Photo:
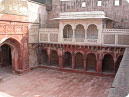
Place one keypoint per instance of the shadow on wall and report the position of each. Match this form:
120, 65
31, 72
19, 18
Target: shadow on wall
38, 19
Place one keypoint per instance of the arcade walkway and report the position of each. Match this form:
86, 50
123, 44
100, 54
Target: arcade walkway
53, 83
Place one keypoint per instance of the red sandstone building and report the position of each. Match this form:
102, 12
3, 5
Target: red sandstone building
87, 36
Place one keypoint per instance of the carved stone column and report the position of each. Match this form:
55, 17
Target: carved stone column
49, 52
73, 61
86, 27
60, 61
73, 27
84, 63
99, 63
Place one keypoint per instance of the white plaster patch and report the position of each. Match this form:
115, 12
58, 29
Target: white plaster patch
1, 1
128, 94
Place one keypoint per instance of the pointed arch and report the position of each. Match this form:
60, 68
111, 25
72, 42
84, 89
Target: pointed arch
79, 31
67, 31
67, 60
79, 63
91, 62
44, 57
54, 59
92, 32
108, 64
16, 55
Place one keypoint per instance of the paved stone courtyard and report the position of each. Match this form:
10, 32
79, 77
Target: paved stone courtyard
53, 83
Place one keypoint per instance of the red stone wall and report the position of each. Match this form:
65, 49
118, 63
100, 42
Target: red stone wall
15, 28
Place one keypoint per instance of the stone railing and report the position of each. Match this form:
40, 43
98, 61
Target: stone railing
115, 37
80, 39
51, 35
110, 37
116, 30
68, 39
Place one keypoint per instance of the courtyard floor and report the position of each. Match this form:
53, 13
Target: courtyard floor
53, 83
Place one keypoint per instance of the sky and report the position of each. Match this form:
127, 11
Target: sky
128, 1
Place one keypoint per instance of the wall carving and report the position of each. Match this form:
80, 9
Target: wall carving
11, 29
123, 39
109, 39
54, 37
43, 37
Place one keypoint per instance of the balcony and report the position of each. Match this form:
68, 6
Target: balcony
109, 37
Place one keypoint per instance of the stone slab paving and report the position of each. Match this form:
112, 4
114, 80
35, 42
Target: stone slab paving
53, 83
6, 72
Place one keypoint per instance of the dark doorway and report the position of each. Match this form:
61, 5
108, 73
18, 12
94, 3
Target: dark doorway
108, 64
67, 60
91, 63
44, 57
79, 62
6, 64
118, 62
5, 56
54, 60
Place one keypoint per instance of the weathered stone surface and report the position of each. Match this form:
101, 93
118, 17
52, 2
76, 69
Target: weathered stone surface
33, 61
117, 92
53, 83
121, 81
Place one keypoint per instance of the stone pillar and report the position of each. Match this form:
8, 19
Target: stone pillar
99, 63
38, 55
73, 33
49, 60
73, 61
99, 66
86, 27
73, 27
84, 63
60, 56
49, 52
60, 61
